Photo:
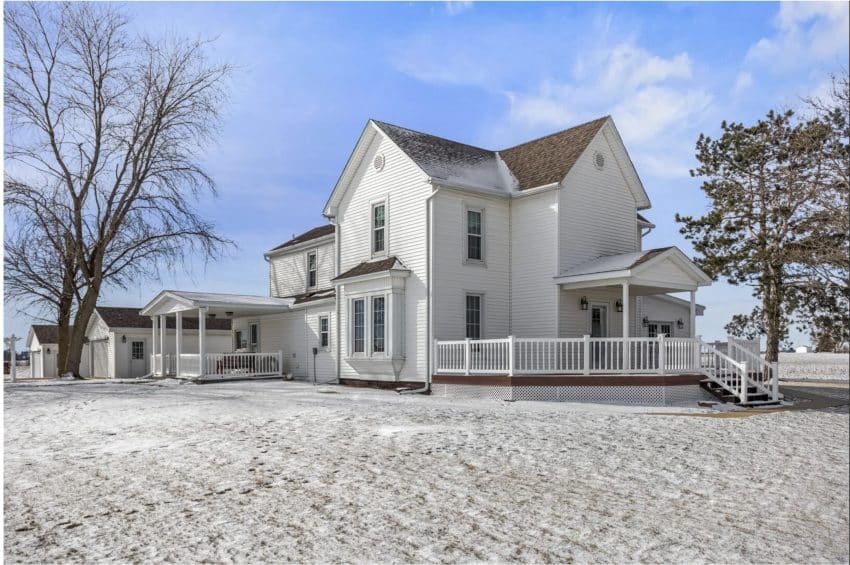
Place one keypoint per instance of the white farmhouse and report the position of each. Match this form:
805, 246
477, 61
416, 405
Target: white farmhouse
445, 266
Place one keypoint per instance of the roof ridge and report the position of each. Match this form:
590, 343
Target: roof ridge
379, 122
554, 133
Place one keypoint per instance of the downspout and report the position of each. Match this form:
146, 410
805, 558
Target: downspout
429, 312
337, 298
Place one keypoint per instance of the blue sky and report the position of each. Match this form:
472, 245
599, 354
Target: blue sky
309, 75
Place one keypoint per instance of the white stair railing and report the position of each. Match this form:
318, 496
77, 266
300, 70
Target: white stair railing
764, 375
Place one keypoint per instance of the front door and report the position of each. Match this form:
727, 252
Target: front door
599, 320
138, 359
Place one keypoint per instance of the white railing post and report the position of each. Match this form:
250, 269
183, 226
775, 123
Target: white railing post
586, 354
510, 355
280, 362
662, 354
467, 356
744, 381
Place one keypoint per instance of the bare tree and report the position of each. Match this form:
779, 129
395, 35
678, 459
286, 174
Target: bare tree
114, 125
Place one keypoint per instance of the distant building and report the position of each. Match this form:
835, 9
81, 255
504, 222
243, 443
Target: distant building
803, 349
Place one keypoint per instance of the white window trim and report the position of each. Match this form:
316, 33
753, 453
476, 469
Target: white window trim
658, 323
328, 318
351, 352
465, 230
307, 284
368, 345
373, 204
481, 314
607, 305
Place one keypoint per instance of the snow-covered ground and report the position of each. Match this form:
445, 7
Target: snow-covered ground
273, 471
798, 366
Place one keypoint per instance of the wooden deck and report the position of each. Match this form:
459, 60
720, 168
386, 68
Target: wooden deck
569, 380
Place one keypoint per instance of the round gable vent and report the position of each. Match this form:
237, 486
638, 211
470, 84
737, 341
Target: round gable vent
379, 162
599, 160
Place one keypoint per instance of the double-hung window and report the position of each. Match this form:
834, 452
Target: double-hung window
324, 331
474, 235
378, 324
359, 325
473, 316
379, 229
312, 269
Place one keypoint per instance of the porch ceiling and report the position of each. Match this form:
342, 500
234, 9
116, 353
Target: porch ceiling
654, 271
219, 304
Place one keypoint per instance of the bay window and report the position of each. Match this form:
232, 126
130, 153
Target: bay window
378, 324
358, 323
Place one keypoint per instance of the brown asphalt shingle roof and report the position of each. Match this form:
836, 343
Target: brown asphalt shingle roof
314, 233
649, 255
549, 159
368, 267
120, 317
46, 333
535, 163
313, 295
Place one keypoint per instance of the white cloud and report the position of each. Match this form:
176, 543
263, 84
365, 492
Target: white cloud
807, 32
743, 83
455, 7
647, 94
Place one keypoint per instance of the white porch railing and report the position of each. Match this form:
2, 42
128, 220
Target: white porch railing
219, 364
609, 356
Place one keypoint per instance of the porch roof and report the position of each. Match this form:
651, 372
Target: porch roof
172, 301
651, 271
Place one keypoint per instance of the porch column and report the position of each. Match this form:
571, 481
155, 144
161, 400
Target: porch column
626, 350
154, 320
178, 342
163, 329
202, 338
693, 313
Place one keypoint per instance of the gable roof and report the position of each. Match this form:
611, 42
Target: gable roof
548, 159
538, 162
46, 333
314, 233
124, 317
313, 295
371, 267
446, 159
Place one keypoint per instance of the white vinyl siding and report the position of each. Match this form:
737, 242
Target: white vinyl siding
404, 189
534, 254
288, 274
597, 209
454, 276
658, 309
575, 322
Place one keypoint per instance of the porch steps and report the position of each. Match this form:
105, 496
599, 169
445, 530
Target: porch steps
754, 396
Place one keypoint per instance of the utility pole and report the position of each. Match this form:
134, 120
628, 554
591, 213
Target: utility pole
13, 362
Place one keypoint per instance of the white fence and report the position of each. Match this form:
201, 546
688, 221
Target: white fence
738, 371
219, 364
587, 355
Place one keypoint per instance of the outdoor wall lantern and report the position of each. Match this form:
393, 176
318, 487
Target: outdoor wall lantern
228, 314
123, 339
645, 321
48, 351
584, 303
618, 305
680, 324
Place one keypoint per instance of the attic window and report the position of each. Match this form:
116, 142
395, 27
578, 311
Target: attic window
379, 162
599, 160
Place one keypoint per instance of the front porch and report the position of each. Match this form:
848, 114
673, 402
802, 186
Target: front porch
200, 363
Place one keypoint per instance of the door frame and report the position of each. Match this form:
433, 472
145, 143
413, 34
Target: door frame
145, 356
607, 306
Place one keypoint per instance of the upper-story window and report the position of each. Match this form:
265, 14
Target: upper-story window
312, 269
474, 235
379, 221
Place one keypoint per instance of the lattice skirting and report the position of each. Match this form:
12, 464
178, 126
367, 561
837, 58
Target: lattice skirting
625, 395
